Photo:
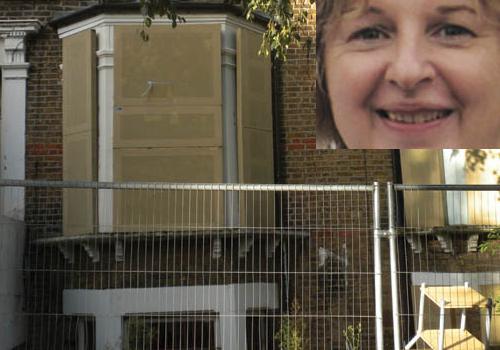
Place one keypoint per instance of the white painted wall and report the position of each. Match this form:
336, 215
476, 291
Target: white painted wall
231, 302
13, 100
13, 143
12, 322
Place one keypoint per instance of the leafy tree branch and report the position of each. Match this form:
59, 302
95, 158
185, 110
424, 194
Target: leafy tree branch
286, 20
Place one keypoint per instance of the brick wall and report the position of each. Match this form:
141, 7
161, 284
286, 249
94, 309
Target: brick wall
149, 261
300, 162
43, 144
44, 102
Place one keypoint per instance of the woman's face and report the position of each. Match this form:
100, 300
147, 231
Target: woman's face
415, 74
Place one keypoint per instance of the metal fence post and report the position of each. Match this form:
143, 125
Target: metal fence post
394, 266
379, 324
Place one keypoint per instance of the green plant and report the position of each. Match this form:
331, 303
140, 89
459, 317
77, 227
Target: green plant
492, 243
352, 335
283, 28
496, 303
290, 333
141, 334
492, 246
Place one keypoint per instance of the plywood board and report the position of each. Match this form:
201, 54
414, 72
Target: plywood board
423, 209
183, 64
454, 339
431, 314
79, 164
151, 210
79, 130
79, 82
254, 111
137, 127
258, 157
254, 82
257, 209
183, 165
254, 129
456, 297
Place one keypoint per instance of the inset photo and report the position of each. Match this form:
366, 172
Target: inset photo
408, 74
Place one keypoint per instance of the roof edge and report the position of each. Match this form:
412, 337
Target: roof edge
135, 8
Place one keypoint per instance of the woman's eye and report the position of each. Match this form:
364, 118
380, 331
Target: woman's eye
453, 31
371, 33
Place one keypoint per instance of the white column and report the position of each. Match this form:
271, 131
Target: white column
12, 166
105, 78
13, 143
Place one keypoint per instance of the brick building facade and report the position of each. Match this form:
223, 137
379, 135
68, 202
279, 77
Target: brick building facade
296, 162
295, 85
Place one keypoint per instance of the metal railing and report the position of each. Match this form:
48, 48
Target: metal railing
212, 266
234, 266
439, 237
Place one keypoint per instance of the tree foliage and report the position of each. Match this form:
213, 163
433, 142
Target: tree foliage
475, 161
286, 19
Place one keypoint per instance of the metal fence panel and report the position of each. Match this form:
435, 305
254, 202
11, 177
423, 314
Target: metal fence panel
444, 265
184, 266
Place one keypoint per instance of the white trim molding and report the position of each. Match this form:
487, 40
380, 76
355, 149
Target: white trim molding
231, 303
13, 34
191, 19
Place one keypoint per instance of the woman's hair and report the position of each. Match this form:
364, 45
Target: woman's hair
327, 12
327, 135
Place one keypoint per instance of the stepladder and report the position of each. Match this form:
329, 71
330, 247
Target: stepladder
460, 298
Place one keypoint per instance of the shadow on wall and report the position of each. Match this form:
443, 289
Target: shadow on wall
12, 322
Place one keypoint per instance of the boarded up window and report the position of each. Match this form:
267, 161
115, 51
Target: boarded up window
423, 208
79, 130
254, 125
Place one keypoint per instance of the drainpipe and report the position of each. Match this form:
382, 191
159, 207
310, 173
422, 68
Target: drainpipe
229, 105
408, 323
276, 111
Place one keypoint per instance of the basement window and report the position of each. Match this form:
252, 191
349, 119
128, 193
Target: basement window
170, 332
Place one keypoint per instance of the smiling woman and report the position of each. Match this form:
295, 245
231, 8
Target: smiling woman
408, 74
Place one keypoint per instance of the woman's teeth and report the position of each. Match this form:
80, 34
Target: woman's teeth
414, 117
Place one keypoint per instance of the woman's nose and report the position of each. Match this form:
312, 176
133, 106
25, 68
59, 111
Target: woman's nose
409, 65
